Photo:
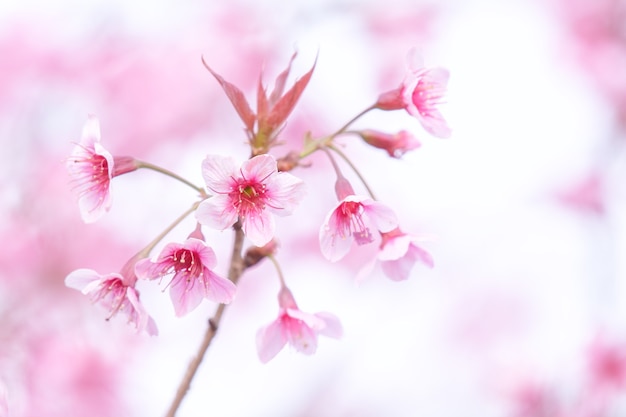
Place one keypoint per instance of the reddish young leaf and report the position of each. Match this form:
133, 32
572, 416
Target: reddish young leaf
262, 104
236, 97
279, 85
285, 105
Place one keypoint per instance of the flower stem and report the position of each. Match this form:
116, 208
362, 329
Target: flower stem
311, 145
148, 165
234, 272
278, 270
354, 168
344, 127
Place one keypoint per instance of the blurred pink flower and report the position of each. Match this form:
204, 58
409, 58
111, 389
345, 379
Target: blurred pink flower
67, 376
116, 293
607, 364
346, 222
251, 193
92, 167
420, 94
586, 195
193, 280
398, 253
396, 144
296, 327
532, 400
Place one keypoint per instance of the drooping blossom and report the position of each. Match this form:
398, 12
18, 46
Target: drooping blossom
116, 292
91, 168
272, 110
396, 144
348, 221
191, 264
298, 328
251, 193
420, 94
398, 253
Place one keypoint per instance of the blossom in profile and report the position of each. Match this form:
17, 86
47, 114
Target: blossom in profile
420, 94
191, 265
295, 327
399, 252
116, 292
91, 168
348, 222
396, 144
251, 193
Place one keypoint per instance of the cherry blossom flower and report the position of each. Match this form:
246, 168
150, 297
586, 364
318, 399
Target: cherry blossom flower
251, 193
347, 222
193, 280
398, 253
92, 167
296, 327
420, 94
116, 292
396, 144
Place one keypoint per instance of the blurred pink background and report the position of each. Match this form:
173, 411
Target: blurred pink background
522, 208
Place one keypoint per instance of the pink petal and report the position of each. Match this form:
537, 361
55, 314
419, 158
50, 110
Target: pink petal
422, 256
311, 320
436, 125
91, 132
333, 246
139, 316
218, 173
92, 206
285, 191
259, 228
332, 325
300, 336
269, 341
414, 60
147, 269
206, 254
217, 212
186, 296
259, 168
219, 289
83, 280
438, 76
382, 216
399, 269
395, 248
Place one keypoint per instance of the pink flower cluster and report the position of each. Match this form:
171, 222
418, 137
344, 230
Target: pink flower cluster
249, 198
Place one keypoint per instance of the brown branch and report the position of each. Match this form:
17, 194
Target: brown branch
234, 272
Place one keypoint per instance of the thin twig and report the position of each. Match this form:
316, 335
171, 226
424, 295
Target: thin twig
234, 272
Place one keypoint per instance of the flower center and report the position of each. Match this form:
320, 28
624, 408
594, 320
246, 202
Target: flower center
186, 261
426, 96
248, 198
351, 222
